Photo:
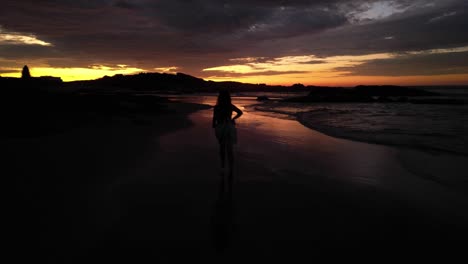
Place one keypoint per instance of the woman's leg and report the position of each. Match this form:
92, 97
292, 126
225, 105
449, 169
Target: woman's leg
222, 153
230, 156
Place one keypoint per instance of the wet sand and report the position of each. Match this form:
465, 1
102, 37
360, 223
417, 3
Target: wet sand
296, 194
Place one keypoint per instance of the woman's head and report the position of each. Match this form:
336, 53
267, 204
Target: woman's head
224, 98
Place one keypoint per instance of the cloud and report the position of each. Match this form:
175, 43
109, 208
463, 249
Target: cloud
8, 70
285, 22
443, 16
196, 35
368, 11
294, 65
12, 38
224, 74
166, 69
423, 64
434, 62
409, 31
313, 62
126, 5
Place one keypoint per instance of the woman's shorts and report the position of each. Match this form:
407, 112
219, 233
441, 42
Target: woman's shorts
226, 133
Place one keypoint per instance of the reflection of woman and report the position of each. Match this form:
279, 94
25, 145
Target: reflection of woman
223, 218
225, 127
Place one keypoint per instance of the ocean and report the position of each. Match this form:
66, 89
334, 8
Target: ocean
427, 127
435, 128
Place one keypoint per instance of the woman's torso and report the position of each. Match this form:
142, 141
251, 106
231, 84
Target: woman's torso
223, 113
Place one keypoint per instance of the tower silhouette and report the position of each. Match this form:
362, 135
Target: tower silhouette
25, 74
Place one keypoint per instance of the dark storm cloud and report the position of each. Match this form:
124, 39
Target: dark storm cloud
200, 34
156, 30
126, 5
27, 52
272, 18
290, 22
409, 31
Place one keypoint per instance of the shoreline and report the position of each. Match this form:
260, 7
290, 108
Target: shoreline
441, 166
371, 130
334, 133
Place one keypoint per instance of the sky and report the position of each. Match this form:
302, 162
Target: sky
313, 42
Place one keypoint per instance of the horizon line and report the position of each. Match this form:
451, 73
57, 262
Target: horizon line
217, 81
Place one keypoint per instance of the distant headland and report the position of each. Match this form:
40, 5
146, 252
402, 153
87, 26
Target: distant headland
181, 83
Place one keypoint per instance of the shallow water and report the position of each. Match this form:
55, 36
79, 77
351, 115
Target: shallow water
432, 150
426, 127
433, 128
273, 150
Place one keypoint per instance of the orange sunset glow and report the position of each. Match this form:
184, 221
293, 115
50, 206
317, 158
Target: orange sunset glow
75, 74
329, 71
453, 79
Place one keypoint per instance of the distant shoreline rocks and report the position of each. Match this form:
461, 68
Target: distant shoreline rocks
372, 94
262, 98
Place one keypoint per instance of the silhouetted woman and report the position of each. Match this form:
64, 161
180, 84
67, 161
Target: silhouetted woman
225, 127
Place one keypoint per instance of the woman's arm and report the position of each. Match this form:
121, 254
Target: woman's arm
238, 112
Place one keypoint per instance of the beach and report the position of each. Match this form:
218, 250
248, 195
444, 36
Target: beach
131, 191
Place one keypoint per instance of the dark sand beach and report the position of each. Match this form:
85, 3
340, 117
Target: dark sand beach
130, 191
116, 121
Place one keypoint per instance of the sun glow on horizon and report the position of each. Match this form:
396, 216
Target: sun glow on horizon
308, 69
287, 70
305, 64
327, 71
351, 81
76, 73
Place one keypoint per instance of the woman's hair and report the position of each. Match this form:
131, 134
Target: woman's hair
224, 98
